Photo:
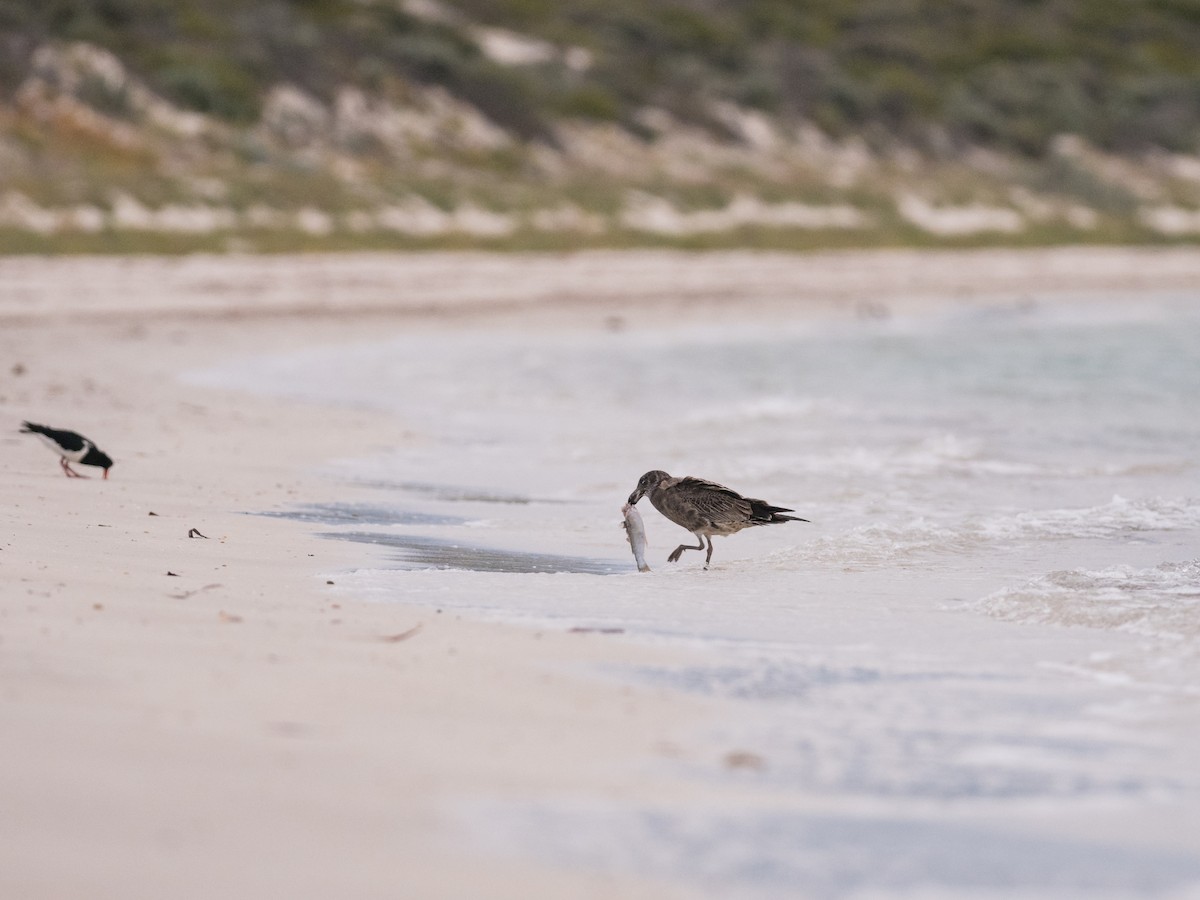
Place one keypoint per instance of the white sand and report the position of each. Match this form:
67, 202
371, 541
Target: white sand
242, 729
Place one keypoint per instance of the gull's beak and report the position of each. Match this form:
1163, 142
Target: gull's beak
637, 495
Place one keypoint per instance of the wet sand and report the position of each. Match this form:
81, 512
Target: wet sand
200, 717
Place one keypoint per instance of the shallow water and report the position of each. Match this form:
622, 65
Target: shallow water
983, 654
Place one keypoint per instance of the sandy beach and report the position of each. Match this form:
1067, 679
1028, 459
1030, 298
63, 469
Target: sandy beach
219, 716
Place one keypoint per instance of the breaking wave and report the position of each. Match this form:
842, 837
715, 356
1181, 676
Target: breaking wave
881, 543
1162, 602
770, 409
1113, 519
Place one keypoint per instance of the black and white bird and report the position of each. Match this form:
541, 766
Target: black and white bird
71, 448
705, 508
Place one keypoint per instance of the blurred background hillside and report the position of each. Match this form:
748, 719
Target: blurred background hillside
134, 125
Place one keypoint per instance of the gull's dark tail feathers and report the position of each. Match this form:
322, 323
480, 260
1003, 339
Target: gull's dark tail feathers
763, 513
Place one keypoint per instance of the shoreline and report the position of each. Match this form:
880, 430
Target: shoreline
450, 286
243, 727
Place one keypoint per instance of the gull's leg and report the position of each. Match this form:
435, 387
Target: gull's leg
674, 557
708, 558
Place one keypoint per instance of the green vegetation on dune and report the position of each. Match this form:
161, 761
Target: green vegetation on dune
1011, 73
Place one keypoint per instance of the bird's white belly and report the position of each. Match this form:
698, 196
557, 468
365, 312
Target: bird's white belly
71, 455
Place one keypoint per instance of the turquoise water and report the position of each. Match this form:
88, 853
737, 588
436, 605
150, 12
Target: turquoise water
975, 673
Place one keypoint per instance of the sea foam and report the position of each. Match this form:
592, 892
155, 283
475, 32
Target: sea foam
1161, 602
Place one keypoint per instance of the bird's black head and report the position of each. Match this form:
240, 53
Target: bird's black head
97, 457
647, 483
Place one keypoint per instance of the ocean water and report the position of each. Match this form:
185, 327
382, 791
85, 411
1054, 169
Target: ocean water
975, 673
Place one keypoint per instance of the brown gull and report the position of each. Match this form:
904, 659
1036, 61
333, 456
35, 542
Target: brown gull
705, 508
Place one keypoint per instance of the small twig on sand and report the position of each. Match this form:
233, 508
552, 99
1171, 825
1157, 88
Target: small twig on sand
186, 594
402, 636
